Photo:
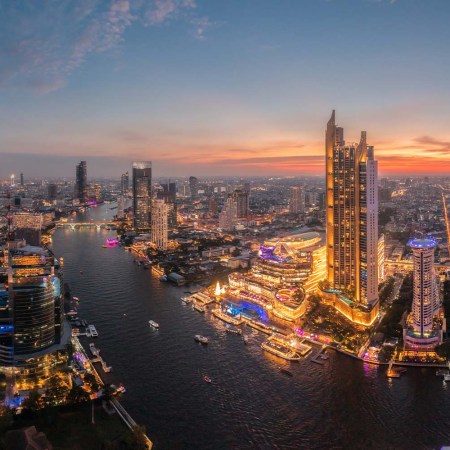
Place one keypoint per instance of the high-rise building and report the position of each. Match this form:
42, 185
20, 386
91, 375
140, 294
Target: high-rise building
297, 200
241, 199
142, 194
81, 187
421, 333
381, 259
21, 179
169, 195
352, 218
52, 191
228, 215
124, 183
33, 337
28, 226
193, 185
160, 230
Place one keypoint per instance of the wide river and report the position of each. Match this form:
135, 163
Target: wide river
250, 404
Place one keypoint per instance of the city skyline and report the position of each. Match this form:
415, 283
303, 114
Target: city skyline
196, 86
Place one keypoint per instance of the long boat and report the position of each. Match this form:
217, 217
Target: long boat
281, 351
226, 318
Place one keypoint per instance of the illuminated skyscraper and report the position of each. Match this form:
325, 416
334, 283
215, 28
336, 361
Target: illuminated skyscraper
352, 216
169, 195
420, 332
81, 187
241, 199
297, 200
142, 193
160, 230
28, 226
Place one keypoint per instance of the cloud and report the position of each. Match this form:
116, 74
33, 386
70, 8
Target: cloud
43, 43
433, 145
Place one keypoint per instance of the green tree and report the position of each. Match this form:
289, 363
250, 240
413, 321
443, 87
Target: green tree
56, 392
77, 395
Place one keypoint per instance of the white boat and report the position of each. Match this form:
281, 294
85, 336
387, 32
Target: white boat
153, 324
201, 339
186, 300
447, 377
92, 331
76, 299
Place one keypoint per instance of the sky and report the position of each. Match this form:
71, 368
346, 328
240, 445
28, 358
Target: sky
221, 87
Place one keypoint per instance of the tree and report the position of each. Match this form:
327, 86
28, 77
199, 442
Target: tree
137, 439
33, 401
56, 392
91, 381
77, 395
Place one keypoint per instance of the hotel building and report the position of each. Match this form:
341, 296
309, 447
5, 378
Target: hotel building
160, 230
352, 225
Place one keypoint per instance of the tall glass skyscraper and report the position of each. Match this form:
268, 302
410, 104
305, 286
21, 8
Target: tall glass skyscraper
352, 216
81, 188
142, 195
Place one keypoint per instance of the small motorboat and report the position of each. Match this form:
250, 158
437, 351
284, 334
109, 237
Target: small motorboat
233, 330
153, 324
201, 339
286, 372
207, 379
245, 338
76, 299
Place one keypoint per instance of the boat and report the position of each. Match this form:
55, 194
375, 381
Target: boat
286, 372
76, 299
104, 246
447, 377
207, 379
201, 339
324, 356
92, 331
245, 338
280, 350
441, 372
186, 300
199, 308
163, 278
233, 330
153, 324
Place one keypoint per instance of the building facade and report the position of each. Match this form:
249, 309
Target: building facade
297, 200
160, 227
142, 194
352, 217
124, 183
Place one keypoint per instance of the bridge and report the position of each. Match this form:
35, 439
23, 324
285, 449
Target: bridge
77, 225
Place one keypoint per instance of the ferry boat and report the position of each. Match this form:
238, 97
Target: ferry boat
199, 308
201, 339
92, 331
233, 330
153, 324
207, 379
260, 326
226, 318
282, 351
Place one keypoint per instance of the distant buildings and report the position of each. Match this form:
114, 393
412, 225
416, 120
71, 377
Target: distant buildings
159, 228
193, 185
297, 200
142, 192
421, 334
52, 191
352, 224
21, 179
124, 183
28, 226
81, 186
228, 215
241, 199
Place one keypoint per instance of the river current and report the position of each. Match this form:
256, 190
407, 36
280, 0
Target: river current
250, 404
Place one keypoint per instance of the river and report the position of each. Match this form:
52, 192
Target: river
250, 404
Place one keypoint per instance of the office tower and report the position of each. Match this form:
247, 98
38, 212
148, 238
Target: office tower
228, 215
160, 230
120, 206
352, 217
81, 188
33, 336
28, 226
421, 332
52, 191
142, 194
124, 183
21, 179
381, 259
241, 199
322, 201
12, 182
193, 185
297, 200
169, 195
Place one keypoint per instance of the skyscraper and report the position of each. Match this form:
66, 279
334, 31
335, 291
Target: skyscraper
241, 199
193, 185
81, 191
124, 183
52, 191
169, 195
297, 200
228, 215
21, 179
420, 333
142, 193
160, 230
352, 217
28, 226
